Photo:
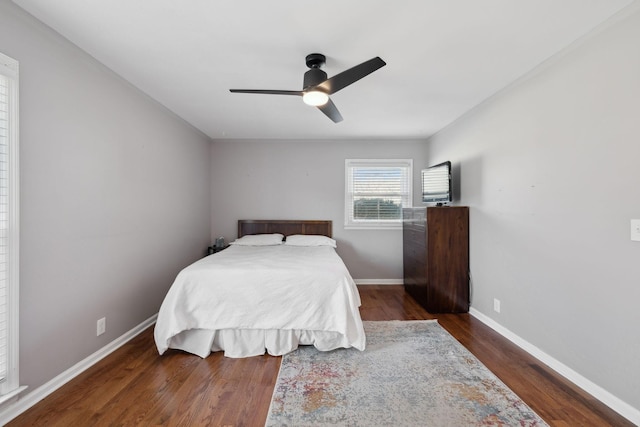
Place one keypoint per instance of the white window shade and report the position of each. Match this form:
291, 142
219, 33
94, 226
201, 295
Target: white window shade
376, 191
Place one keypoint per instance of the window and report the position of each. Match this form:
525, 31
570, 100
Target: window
8, 227
376, 191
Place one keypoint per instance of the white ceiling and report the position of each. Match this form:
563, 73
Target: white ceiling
443, 56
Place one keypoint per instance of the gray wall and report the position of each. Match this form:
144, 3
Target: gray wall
114, 199
550, 171
290, 179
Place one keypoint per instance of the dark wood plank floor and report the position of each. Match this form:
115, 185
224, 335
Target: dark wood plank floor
135, 386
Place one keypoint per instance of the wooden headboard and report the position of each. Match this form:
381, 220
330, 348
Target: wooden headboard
286, 227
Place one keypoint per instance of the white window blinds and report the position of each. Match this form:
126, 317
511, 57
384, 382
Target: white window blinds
376, 192
8, 223
4, 129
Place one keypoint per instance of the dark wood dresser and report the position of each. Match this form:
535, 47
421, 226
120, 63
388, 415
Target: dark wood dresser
435, 244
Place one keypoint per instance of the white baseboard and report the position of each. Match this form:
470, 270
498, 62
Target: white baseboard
618, 405
18, 406
379, 281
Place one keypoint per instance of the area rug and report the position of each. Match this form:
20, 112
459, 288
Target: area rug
412, 373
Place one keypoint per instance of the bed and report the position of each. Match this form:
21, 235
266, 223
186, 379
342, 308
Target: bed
260, 295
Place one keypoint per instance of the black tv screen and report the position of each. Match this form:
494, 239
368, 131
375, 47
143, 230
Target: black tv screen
436, 184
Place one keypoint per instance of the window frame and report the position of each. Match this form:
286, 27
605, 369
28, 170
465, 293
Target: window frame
10, 386
350, 164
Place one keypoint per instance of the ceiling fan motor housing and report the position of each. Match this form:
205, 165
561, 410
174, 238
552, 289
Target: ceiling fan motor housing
313, 77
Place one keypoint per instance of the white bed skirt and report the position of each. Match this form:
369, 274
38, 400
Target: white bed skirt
237, 343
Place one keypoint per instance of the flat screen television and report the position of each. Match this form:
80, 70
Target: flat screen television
436, 184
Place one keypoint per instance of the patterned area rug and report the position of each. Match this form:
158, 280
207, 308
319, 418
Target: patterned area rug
413, 373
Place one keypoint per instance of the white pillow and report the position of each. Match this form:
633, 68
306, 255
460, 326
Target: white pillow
309, 240
259, 240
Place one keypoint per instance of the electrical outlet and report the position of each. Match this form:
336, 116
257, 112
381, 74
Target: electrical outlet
101, 326
635, 230
496, 305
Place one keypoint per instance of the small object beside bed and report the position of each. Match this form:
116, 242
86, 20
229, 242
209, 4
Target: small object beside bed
264, 295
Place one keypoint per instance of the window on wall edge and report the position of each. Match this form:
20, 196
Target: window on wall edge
9, 229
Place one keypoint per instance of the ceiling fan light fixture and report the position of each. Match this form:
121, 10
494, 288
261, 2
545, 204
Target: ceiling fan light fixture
315, 98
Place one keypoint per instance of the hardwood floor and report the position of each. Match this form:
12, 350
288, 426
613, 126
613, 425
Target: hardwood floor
135, 386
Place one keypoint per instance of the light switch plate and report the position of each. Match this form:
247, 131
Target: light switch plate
635, 230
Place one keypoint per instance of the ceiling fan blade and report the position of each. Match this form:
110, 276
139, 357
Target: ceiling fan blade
352, 75
268, 92
331, 111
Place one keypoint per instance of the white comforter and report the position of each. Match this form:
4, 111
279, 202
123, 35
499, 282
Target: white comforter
248, 299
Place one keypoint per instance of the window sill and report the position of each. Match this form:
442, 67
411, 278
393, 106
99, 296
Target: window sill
13, 393
372, 227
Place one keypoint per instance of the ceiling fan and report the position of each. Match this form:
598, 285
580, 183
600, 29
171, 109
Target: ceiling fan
316, 87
